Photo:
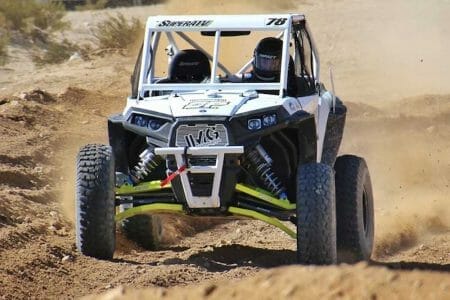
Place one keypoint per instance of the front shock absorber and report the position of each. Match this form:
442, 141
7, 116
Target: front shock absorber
149, 161
260, 161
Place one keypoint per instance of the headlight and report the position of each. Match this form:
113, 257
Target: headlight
269, 120
154, 124
140, 121
254, 124
146, 121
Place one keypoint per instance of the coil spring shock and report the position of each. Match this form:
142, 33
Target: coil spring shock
149, 161
260, 161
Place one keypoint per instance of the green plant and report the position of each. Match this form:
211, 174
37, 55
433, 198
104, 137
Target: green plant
117, 32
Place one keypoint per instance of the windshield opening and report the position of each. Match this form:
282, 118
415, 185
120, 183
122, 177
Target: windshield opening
181, 57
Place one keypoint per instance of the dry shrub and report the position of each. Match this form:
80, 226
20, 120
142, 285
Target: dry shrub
26, 15
56, 52
16, 13
118, 32
36, 21
49, 15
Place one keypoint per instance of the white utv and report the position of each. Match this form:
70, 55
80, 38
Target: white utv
203, 134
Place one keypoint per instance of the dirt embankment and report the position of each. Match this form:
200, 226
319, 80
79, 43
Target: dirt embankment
347, 282
406, 142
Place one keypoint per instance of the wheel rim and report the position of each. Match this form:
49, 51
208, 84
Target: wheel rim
365, 213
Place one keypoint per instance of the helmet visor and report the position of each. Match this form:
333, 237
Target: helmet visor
270, 63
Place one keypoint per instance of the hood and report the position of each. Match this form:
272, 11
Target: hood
218, 104
206, 104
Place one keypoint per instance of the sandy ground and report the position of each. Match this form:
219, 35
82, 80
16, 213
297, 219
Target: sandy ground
390, 63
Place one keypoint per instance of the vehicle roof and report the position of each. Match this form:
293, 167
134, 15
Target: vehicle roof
222, 22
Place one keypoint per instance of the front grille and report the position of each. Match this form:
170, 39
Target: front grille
203, 161
201, 135
201, 184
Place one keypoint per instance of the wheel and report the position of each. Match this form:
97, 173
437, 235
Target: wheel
95, 208
354, 209
144, 230
316, 215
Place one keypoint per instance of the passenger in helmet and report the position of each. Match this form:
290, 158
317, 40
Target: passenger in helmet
267, 63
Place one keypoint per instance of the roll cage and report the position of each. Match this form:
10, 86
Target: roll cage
294, 26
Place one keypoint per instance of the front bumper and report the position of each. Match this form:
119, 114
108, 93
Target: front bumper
210, 199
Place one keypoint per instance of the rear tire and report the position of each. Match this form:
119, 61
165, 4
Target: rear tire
354, 209
144, 230
316, 215
95, 208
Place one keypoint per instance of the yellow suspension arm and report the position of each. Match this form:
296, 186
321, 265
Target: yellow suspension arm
259, 216
149, 208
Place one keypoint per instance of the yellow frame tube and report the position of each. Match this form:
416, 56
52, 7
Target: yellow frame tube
144, 187
149, 208
178, 208
285, 204
259, 216
152, 186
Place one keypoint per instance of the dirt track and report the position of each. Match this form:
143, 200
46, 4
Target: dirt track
406, 141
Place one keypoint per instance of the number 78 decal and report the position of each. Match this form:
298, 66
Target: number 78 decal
276, 21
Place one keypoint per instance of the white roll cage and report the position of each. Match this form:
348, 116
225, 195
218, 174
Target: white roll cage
169, 25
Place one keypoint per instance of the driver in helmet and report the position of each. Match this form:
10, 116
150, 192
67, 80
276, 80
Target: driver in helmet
267, 59
267, 63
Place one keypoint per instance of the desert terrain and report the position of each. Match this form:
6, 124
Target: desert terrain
391, 67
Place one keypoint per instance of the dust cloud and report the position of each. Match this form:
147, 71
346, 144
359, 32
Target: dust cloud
408, 156
67, 194
383, 51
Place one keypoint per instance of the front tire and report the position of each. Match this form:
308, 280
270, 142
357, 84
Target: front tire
95, 208
354, 209
316, 215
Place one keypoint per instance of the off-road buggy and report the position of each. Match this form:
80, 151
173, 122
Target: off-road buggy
200, 136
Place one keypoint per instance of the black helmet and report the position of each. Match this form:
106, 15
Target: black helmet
267, 59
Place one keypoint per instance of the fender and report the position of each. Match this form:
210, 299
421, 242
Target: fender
323, 110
